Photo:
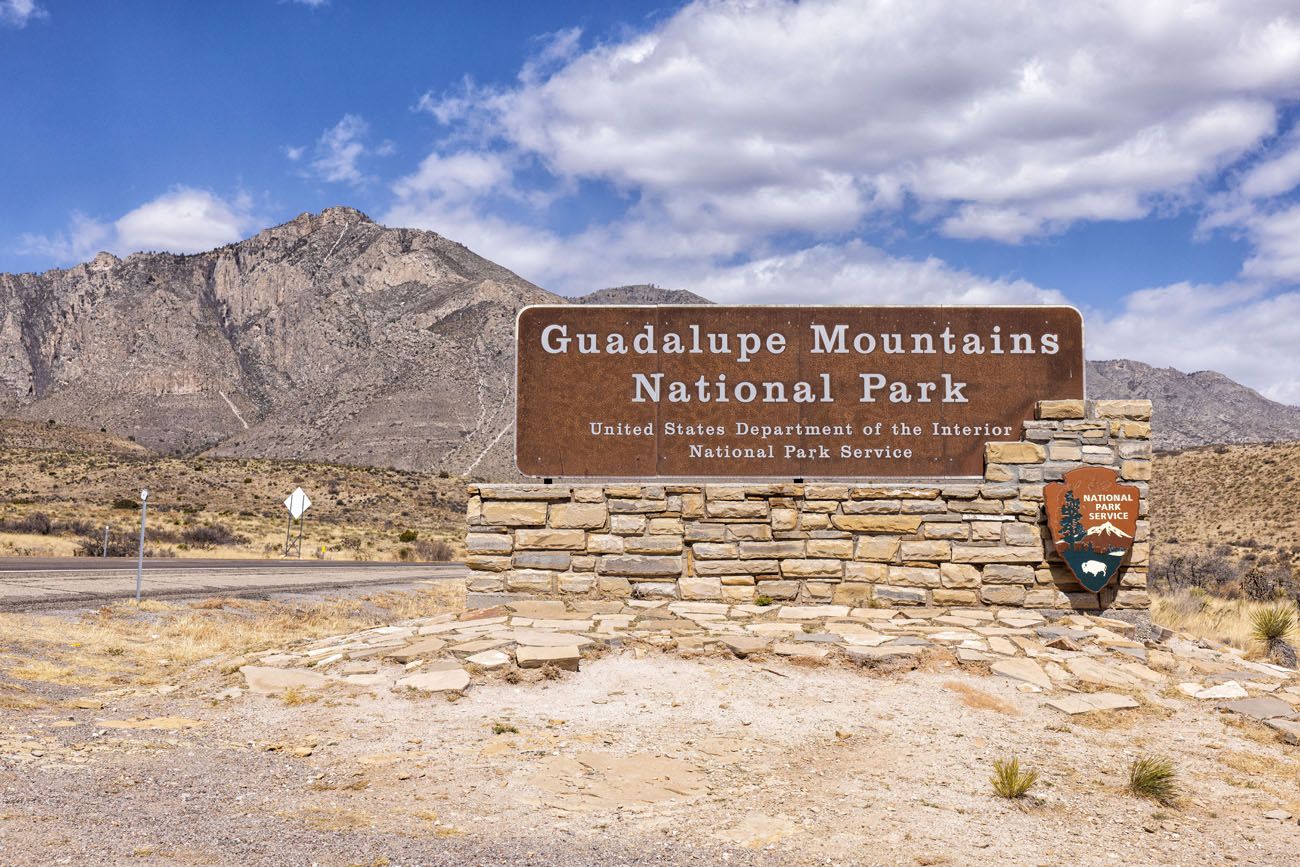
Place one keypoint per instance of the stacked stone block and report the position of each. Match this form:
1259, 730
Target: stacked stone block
886, 544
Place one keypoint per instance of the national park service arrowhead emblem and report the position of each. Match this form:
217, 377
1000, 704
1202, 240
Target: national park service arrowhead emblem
1093, 519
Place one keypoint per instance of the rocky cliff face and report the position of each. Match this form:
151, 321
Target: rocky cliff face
330, 337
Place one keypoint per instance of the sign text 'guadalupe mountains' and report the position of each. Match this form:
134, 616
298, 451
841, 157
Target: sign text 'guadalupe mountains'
785, 392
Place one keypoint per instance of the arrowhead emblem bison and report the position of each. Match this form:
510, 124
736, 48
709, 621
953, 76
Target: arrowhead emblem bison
1093, 519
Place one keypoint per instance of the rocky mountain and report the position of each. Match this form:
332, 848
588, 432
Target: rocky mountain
329, 338
1195, 409
645, 293
333, 338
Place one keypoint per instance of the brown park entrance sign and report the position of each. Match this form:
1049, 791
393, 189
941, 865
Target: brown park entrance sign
783, 392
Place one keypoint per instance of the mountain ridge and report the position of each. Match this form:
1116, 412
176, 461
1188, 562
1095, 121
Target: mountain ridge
333, 338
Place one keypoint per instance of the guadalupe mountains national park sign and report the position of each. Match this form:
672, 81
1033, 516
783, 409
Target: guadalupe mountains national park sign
783, 392
1093, 519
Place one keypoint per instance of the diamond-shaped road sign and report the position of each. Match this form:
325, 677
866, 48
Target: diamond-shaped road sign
297, 503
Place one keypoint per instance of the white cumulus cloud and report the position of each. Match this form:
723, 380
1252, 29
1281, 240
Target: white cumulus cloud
19, 13
182, 220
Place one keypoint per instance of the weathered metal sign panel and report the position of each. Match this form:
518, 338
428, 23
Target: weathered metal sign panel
783, 392
1093, 519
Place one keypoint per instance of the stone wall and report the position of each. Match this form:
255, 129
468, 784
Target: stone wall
862, 543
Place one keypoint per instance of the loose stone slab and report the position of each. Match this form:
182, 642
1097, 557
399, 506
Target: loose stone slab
451, 680
1089, 702
744, 645
1231, 689
1094, 671
805, 650
425, 647
490, 659
1259, 708
1023, 670
808, 612
892, 657
774, 628
1288, 729
561, 657
476, 646
267, 680
550, 639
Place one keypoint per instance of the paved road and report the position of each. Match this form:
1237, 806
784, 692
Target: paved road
39, 582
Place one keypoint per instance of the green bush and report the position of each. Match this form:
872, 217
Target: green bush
408, 536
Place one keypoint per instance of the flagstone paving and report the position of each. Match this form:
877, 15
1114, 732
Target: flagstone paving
1075, 660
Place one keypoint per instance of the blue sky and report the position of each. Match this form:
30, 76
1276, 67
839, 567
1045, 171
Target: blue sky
1138, 160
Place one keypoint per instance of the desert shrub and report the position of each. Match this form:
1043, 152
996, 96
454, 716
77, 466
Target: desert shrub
125, 504
407, 536
1010, 780
74, 528
433, 551
211, 535
405, 554
1206, 570
38, 523
1155, 778
1274, 623
1266, 579
120, 543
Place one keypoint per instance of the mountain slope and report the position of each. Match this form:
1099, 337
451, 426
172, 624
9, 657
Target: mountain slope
1195, 409
327, 338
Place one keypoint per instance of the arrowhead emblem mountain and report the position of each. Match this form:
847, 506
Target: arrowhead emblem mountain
1107, 527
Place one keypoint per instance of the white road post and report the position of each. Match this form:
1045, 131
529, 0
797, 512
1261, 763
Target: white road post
139, 562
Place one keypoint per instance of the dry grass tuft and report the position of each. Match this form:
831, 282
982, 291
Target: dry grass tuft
1010, 780
979, 699
1154, 777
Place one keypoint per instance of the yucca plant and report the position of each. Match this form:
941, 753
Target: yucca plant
1153, 777
1272, 625
1010, 780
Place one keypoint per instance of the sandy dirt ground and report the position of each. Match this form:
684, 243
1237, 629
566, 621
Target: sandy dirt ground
642, 757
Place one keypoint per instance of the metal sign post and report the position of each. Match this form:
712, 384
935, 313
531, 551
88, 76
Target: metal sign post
297, 503
139, 560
